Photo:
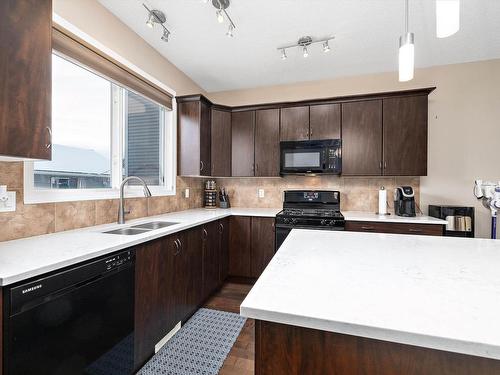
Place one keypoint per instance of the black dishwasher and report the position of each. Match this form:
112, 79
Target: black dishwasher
76, 321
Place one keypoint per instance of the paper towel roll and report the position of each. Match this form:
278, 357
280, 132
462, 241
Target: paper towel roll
382, 201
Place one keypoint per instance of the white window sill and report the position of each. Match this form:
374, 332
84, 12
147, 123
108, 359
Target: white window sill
69, 195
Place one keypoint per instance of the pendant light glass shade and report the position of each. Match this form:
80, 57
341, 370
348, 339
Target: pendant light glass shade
447, 17
406, 57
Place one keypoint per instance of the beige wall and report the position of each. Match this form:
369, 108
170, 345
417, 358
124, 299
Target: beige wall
95, 20
464, 124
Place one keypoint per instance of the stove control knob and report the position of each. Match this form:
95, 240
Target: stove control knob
323, 222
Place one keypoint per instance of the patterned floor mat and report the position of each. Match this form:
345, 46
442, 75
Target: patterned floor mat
200, 347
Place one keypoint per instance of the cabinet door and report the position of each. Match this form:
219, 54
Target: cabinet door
294, 125
405, 136
240, 246
221, 143
211, 258
224, 249
325, 121
155, 296
362, 138
188, 138
263, 238
191, 250
242, 145
267, 143
25, 78
205, 140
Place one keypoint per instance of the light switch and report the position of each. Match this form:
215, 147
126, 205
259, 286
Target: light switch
186, 193
261, 193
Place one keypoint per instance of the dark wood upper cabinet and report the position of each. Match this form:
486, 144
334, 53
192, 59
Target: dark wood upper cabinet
405, 136
243, 136
221, 143
263, 237
194, 138
240, 246
325, 121
267, 141
25, 78
362, 138
294, 124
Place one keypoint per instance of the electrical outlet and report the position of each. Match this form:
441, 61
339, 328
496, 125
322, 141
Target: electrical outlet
186, 193
9, 204
261, 193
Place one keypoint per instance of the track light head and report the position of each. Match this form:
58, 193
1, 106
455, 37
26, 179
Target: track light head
283, 54
165, 35
326, 47
150, 22
230, 31
220, 16
305, 52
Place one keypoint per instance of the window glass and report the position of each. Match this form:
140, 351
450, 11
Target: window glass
81, 130
143, 139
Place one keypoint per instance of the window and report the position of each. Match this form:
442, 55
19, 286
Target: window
101, 133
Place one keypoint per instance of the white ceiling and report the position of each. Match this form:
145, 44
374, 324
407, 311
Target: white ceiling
366, 37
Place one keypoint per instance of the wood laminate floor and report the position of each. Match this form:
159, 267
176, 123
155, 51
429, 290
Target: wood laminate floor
240, 360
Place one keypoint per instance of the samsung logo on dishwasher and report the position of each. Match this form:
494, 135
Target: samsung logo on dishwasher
31, 288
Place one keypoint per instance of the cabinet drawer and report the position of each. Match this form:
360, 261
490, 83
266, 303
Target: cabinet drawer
397, 228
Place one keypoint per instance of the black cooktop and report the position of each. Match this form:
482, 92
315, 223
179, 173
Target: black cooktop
311, 212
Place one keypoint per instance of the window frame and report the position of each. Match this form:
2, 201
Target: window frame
167, 159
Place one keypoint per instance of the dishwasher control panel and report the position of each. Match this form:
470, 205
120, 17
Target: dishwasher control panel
119, 260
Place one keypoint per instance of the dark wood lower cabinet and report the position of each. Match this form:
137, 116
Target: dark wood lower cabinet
397, 228
211, 258
224, 249
262, 244
240, 246
251, 245
291, 350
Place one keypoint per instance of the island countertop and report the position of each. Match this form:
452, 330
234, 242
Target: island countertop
436, 292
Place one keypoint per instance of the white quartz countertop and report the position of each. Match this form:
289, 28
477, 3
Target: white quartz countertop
369, 216
28, 257
436, 292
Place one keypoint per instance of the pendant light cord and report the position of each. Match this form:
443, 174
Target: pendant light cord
406, 16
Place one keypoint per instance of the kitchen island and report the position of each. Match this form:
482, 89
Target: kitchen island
366, 303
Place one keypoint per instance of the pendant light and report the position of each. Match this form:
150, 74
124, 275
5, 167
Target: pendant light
406, 52
447, 17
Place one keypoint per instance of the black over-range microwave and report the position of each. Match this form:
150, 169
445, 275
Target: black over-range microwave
311, 157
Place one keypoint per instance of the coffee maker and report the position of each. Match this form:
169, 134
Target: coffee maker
404, 201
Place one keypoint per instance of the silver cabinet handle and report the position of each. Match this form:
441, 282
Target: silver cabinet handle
202, 165
49, 143
380, 165
412, 230
177, 246
221, 228
385, 165
205, 233
367, 228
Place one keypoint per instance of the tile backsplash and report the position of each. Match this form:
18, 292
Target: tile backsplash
35, 219
357, 193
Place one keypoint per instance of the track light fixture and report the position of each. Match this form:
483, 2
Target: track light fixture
304, 44
406, 52
221, 14
156, 16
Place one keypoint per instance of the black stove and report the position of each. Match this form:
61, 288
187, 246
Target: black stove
309, 209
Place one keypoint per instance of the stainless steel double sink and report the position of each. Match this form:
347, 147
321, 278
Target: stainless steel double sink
141, 228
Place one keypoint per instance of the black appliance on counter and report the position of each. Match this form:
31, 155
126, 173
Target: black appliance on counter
404, 201
460, 220
308, 209
311, 157
79, 320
